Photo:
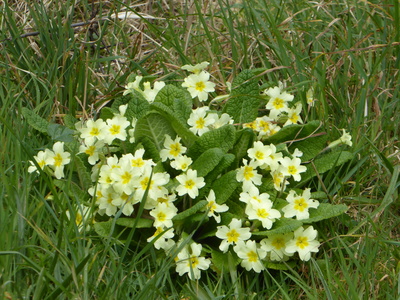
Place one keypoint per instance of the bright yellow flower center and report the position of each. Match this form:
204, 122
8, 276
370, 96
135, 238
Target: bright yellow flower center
278, 103
232, 236
145, 182
264, 126
193, 261
175, 149
189, 184
200, 123
115, 129
259, 155
137, 163
94, 132
161, 216
292, 170
300, 204
262, 213
248, 172
90, 150
126, 177
58, 160
211, 206
200, 86
252, 256
294, 118
302, 242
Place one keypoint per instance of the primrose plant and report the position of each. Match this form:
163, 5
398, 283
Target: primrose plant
204, 178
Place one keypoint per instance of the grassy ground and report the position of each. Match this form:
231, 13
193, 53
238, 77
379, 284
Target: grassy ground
348, 51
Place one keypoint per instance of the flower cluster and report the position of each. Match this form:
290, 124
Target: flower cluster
241, 192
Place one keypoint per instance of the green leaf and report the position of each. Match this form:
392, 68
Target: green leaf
60, 133
103, 229
190, 211
244, 140
324, 163
107, 113
130, 222
70, 121
138, 106
72, 189
207, 161
325, 211
280, 266
244, 100
177, 124
281, 226
222, 137
154, 127
225, 162
224, 262
34, 120
83, 173
225, 186
178, 99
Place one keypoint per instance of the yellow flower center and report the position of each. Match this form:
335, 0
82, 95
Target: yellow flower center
145, 182
90, 150
94, 132
294, 118
161, 216
248, 172
193, 262
58, 160
137, 163
232, 236
200, 123
126, 177
292, 170
262, 213
263, 126
200, 86
211, 206
259, 155
115, 129
189, 184
252, 256
302, 242
278, 103
300, 204
175, 149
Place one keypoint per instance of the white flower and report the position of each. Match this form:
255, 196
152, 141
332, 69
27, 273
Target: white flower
294, 115
276, 245
278, 101
272, 161
220, 121
91, 130
251, 255
232, 234
346, 138
92, 151
104, 199
82, 216
181, 163
190, 184
292, 167
164, 238
299, 205
40, 160
125, 202
133, 86
253, 195
304, 242
57, 159
192, 263
163, 215
199, 122
149, 93
310, 97
151, 182
260, 153
279, 180
115, 129
198, 85
173, 148
212, 207
196, 69
248, 175
263, 212
124, 179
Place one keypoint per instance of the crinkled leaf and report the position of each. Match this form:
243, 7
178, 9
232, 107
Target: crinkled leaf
281, 226
224, 186
151, 150
83, 173
72, 189
244, 140
224, 262
154, 127
177, 99
325, 163
225, 162
138, 106
325, 211
103, 229
244, 100
130, 222
190, 211
223, 137
70, 121
60, 133
34, 120
107, 113
207, 161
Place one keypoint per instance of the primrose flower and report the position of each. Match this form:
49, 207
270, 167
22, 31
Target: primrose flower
149, 93
212, 207
190, 184
278, 101
125, 202
133, 86
251, 255
279, 180
164, 240
163, 215
124, 179
198, 121
232, 234
299, 205
292, 167
253, 194
92, 151
104, 199
115, 129
220, 121
304, 242
263, 212
310, 97
151, 182
57, 159
173, 148
82, 216
92, 130
272, 161
276, 246
260, 153
198, 85
294, 115
40, 160
181, 163
248, 174
191, 262
196, 69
